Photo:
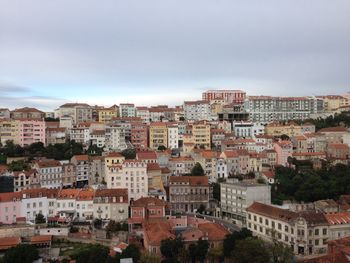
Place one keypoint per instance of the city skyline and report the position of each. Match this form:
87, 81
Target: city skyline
53, 53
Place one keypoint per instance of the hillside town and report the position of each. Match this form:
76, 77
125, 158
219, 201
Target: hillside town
211, 180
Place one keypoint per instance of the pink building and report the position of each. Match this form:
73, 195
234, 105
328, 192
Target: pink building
10, 207
284, 149
139, 135
30, 131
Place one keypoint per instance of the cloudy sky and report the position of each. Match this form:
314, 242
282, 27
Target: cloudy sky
163, 51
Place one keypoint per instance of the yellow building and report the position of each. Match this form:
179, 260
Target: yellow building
333, 102
201, 134
158, 135
114, 159
277, 129
9, 131
106, 114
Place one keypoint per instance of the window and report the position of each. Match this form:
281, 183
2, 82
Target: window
317, 242
324, 231
316, 232
266, 222
279, 226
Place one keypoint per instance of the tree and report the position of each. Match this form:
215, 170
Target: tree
97, 223
197, 170
216, 254
17, 166
92, 253
201, 250
231, 239
281, 253
216, 191
149, 258
132, 251
94, 150
21, 254
201, 209
284, 137
250, 250
161, 148
40, 219
170, 247
129, 154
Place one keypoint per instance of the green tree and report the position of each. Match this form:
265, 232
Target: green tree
170, 248
132, 251
250, 250
216, 191
129, 154
40, 219
197, 170
201, 250
161, 148
92, 253
149, 258
284, 137
21, 254
17, 166
201, 209
281, 253
231, 240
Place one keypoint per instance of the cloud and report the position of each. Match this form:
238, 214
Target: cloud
11, 88
40, 102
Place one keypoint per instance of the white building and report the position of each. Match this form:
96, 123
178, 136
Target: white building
143, 114
197, 110
236, 196
50, 173
84, 205
127, 110
115, 138
132, 175
248, 129
173, 136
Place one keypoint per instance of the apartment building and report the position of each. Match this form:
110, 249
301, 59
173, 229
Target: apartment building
4, 113
127, 110
29, 131
248, 129
107, 114
237, 196
227, 96
284, 149
197, 110
10, 207
181, 165
131, 175
79, 112
50, 173
111, 204
143, 113
66, 204
158, 135
173, 136
82, 169
69, 177
201, 134
84, 205
55, 135
139, 135
27, 113
25, 180
333, 102
97, 170
188, 193
305, 232
115, 138
267, 109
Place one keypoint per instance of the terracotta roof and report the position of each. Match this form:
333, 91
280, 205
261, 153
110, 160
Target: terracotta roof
26, 173
309, 154
338, 146
156, 231
27, 109
68, 193
49, 163
148, 201
207, 154
71, 105
82, 157
338, 218
181, 159
269, 174
165, 170
9, 242
158, 123
9, 197
114, 154
231, 154
40, 192
85, 195
153, 167
41, 239
313, 218
113, 193
191, 180
334, 129
215, 232
197, 102
272, 211
146, 155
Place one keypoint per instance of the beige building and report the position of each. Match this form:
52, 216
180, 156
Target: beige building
158, 135
107, 114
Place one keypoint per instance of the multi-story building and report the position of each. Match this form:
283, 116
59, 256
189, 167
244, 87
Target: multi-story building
173, 136
284, 149
197, 110
55, 135
200, 132
80, 134
98, 138
10, 207
69, 176
305, 232
267, 109
188, 193
237, 196
27, 113
115, 138
143, 114
107, 114
79, 112
139, 135
158, 135
25, 180
36, 201
131, 175
4, 113
127, 110
111, 204
82, 169
333, 102
248, 129
29, 131
84, 205
66, 204
50, 173
97, 170
181, 165
227, 96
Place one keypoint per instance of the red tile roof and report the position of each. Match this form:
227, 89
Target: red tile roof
9, 242
191, 180
272, 211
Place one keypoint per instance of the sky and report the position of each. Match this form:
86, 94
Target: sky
153, 52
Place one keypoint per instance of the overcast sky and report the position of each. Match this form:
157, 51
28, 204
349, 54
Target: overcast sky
164, 51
